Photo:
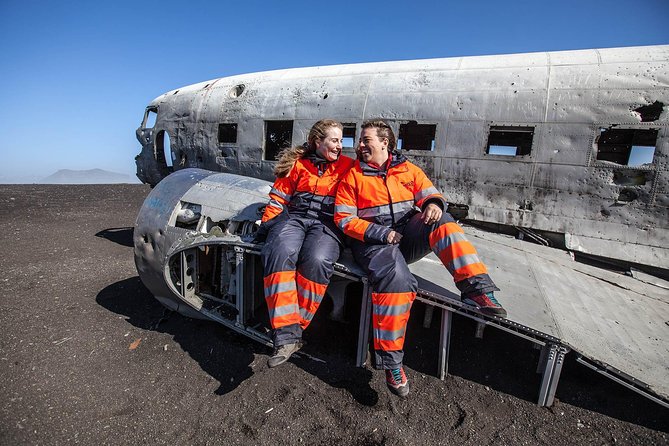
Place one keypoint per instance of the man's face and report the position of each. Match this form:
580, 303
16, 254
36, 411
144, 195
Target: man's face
371, 148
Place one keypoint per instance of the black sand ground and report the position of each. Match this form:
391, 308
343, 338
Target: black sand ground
88, 356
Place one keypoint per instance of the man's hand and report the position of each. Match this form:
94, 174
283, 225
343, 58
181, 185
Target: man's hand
394, 237
431, 214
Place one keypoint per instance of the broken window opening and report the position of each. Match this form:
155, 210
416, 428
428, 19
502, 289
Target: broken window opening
163, 150
188, 217
278, 136
627, 196
414, 136
627, 147
227, 133
348, 137
629, 177
651, 112
510, 141
150, 117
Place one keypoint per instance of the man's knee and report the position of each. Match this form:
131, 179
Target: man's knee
391, 274
445, 218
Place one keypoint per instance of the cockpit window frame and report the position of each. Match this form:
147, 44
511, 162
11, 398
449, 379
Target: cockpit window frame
146, 119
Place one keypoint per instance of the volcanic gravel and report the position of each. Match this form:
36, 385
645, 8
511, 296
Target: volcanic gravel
88, 356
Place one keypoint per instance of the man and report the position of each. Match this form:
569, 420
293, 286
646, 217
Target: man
375, 205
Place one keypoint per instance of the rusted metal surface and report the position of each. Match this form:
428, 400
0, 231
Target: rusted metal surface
566, 97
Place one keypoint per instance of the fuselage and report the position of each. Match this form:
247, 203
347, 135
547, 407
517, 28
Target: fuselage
571, 143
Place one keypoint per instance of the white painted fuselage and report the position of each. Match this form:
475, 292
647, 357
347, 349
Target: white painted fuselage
572, 145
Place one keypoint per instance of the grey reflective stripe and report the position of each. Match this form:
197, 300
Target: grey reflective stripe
275, 204
447, 241
426, 193
465, 260
386, 335
403, 206
391, 310
280, 194
309, 295
279, 288
283, 310
306, 315
324, 199
342, 223
347, 209
376, 211
310, 195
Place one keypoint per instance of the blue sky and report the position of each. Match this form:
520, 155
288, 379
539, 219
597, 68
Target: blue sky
77, 76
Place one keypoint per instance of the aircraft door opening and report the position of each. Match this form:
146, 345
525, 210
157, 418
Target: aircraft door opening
163, 152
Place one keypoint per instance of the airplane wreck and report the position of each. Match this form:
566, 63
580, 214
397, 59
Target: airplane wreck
565, 149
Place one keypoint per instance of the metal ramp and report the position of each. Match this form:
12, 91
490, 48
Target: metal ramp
617, 325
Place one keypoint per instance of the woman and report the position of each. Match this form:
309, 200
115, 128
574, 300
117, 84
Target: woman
303, 243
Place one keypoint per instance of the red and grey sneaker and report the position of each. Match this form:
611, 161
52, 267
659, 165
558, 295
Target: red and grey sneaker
486, 304
397, 382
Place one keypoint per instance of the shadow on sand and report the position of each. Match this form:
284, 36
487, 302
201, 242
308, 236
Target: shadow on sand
121, 236
225, 355
500, 361
508, 364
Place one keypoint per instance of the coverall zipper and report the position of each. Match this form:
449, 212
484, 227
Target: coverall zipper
390, 199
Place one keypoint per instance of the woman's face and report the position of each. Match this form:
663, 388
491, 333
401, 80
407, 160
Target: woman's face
330, 146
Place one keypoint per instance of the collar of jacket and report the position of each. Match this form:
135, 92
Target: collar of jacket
321, 163
396, 160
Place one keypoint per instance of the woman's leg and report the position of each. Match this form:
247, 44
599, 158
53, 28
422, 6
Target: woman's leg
279, 256
315, 266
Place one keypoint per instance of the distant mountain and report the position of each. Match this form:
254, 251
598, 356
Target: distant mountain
92, 176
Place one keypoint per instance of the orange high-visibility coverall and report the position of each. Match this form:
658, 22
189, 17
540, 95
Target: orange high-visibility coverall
372, 201
300, 251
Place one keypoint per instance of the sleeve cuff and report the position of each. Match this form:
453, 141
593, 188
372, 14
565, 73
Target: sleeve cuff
439, 201
376, 234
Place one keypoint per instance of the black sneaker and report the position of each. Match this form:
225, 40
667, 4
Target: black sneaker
397, 382
486, 304
282, 353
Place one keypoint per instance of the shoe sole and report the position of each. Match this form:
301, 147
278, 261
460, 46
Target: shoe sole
402, 392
